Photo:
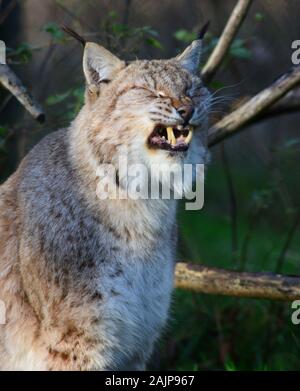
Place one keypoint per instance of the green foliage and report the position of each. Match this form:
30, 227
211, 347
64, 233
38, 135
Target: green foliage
57, 98
238, 49
216, 84
230, 366
259, 17
123, 37
70, 102
77, 101
55, 31
185, 36
21, 54
293, 142
153, 42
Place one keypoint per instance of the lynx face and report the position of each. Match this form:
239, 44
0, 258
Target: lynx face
157, 109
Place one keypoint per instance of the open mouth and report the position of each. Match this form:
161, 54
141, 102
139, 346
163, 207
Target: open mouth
171, 138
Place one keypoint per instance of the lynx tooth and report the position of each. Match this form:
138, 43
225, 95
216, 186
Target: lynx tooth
189, 136
171, 137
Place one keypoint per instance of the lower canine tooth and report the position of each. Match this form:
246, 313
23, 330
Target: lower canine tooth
171, 137
189, 136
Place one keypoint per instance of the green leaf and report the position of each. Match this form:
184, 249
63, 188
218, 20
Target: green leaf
54, 30
23, 52
230, 366
153, 42
241, 53
239, 50
185, 36
78, 94
292, 142
259, 17
57, 98
112, 15
149, 30
119, 28
3, 131
216, 84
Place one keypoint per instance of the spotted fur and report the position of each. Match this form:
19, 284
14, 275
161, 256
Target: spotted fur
86, 282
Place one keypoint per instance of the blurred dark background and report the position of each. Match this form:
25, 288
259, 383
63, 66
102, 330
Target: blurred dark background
251, 212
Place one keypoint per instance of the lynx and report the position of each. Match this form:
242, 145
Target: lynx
87, 283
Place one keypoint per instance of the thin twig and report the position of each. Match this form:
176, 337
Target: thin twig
234, 22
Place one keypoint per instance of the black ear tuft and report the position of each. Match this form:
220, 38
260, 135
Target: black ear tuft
73, 34
203, 30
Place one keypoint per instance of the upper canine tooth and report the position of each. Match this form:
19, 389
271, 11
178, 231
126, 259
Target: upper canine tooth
171, 137
190, 135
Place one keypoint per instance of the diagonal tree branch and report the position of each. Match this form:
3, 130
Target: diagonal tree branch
214, 281
235, 21
12, 83
7, 11
290, 103
253, 108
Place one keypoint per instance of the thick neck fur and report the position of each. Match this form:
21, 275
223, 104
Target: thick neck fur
134, 220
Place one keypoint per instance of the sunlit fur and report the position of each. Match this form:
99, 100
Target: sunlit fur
129, 107
87, 283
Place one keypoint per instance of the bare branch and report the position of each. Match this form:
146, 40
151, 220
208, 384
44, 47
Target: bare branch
7, 11
214, 281
255, 107
13, 84
234, 22
290, 103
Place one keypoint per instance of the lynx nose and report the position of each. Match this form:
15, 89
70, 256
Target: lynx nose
186, 112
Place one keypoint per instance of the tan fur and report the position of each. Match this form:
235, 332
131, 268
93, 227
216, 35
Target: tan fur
87, 283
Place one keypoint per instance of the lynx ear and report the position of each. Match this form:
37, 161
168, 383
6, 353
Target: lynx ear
99, 64
190, 58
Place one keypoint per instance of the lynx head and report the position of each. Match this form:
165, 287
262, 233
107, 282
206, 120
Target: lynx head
157, 109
